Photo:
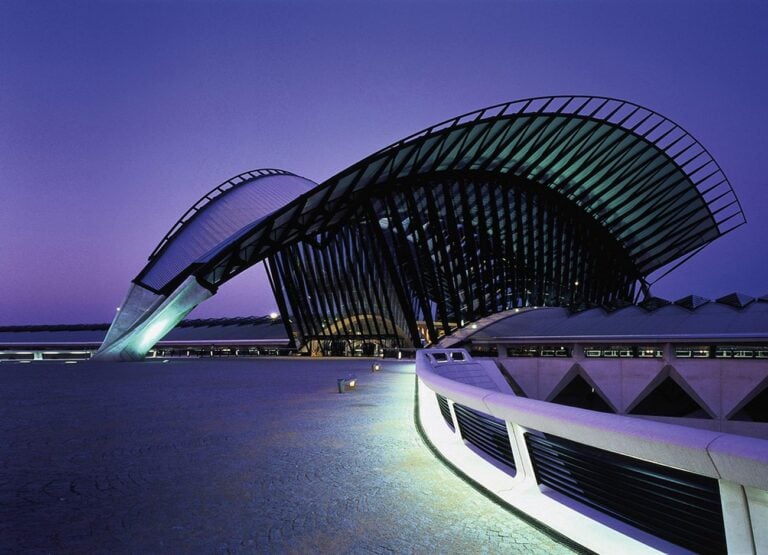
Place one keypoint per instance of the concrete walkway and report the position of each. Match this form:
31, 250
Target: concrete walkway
228, 456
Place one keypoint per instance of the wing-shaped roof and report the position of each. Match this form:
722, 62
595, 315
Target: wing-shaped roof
214, 221
645, 179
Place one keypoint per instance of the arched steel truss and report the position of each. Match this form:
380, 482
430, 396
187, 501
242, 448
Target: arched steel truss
640, 175
602, 192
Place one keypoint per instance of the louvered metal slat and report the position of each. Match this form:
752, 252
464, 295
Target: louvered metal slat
633, 479
680, 507
487, 433
584, 484
445, 409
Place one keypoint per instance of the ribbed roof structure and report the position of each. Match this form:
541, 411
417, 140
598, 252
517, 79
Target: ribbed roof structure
641, 176
209, 225
551, 201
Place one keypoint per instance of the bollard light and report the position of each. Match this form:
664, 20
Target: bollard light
346, 384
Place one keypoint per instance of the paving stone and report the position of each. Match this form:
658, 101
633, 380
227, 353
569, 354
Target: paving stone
231, 456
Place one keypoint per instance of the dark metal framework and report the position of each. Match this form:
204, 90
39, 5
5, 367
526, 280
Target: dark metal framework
447, 252
487, 433
445, 410
209, 197
547, 201
675, 505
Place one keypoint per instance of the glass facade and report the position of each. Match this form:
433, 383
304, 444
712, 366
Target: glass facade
445, 251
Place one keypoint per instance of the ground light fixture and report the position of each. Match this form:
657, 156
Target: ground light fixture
347, 383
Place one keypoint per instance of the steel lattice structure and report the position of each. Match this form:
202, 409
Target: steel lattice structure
550, 201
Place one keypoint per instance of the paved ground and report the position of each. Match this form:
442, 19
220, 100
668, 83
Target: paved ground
231, 456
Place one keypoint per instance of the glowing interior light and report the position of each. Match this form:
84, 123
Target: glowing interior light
153, 334
352, 383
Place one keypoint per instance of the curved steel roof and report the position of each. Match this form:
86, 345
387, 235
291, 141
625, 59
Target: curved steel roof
655, 188
214, 221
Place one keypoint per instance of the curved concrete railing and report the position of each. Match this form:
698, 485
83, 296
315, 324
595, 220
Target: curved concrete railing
738, 463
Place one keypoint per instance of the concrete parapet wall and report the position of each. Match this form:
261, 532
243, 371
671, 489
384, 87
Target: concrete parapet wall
739, 463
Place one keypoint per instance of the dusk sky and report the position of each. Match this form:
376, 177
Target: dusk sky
115, 117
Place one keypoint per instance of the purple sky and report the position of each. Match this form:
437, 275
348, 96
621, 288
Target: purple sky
115, 117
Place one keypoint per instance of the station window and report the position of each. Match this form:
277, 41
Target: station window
11, 355
554, 351
539, 351
741, 351
692, 351
522, 351
609, 351
649, 351
484, 351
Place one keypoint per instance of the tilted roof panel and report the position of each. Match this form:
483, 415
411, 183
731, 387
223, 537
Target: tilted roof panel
228, 211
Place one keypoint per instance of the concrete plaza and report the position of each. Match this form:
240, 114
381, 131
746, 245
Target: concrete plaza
219, 456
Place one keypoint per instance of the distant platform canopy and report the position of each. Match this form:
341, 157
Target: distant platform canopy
719, 321
552, 201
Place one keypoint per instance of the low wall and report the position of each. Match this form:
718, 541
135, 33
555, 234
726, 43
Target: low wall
559, 456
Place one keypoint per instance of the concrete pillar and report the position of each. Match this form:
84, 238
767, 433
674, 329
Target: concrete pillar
757, 500
738, 531
526, 476
668, 353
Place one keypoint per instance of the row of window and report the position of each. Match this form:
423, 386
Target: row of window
623, 351
726, 351
44, 355
642, 351
220, 351
538, 351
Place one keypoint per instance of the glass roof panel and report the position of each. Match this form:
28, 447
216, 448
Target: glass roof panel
218, 220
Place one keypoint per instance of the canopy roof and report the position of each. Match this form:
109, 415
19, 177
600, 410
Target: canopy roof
214, 221
711, 321
641, 176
